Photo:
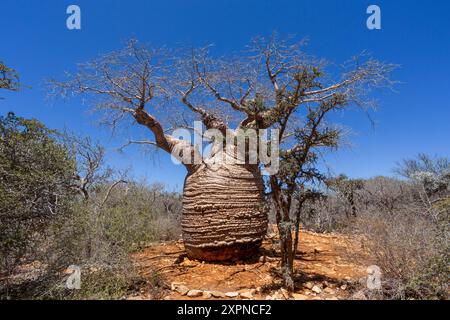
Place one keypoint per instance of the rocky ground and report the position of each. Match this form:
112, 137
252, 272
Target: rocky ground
326, 271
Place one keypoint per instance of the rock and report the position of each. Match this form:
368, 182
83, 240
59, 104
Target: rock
269, 298
183, 290
207, 294
359, 296
308, 285
218, 294
174, 285
167, 298
246, 295
344, 287
329, 290
194, 293
332, 298
231, 294
298, 296
258, 289
180, 288
189, 263
316, 289
253, 291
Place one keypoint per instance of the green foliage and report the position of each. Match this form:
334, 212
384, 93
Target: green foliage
134, 215
35, 177
45, 219
9, 78
101, 236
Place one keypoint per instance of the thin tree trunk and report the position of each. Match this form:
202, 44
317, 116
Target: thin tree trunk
284, 224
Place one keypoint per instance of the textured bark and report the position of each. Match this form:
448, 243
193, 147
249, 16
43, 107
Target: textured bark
222, 213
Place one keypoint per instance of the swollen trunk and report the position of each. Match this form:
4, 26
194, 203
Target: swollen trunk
223, 216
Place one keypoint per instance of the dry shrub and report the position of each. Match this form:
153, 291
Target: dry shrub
411, 253
100, 236
404, 227
405, 232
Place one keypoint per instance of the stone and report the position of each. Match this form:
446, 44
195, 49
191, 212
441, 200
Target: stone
194, 293
246, 295
231, 294
180, 288
218, 294
329, 291
316, 289
207, 295
174, 285
308, 285
298, 296
189, 263
344, 287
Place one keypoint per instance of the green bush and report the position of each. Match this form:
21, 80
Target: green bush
35, 178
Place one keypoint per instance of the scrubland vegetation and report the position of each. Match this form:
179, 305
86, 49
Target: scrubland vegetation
60, 207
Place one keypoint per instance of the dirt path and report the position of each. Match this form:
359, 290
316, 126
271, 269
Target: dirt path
323, 263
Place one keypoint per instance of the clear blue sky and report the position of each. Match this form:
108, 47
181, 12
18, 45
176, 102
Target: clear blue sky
415, 34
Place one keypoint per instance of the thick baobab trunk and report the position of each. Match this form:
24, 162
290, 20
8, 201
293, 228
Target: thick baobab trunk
223, 217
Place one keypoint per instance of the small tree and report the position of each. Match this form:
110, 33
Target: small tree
302, 100
346, 188
432, 173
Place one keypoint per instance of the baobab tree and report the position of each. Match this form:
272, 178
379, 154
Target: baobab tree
274, 85
222, 216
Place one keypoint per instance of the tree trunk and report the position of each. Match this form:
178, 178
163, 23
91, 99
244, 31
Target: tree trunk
223, 217
287, 255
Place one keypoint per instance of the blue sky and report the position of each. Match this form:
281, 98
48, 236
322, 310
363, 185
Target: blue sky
414, 34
